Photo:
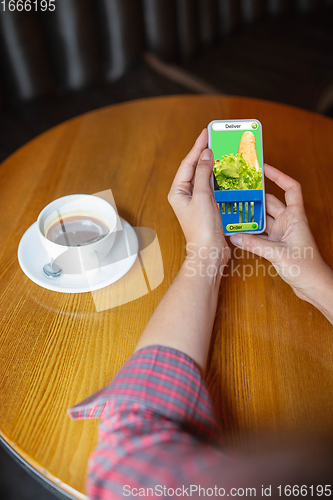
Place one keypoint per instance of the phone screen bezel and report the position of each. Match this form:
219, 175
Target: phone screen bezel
247, 120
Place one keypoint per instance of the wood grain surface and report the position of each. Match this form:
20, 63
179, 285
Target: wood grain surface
271, 356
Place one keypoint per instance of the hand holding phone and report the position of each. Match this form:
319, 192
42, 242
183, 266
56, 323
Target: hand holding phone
191, 199
238, 178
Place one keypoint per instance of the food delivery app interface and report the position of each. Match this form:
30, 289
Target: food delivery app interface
238, 174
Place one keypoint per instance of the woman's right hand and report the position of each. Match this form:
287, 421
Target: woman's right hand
289, 246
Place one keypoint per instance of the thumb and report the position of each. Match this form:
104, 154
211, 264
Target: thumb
203, 173
259, 245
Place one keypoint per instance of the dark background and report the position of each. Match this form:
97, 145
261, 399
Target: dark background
92, 53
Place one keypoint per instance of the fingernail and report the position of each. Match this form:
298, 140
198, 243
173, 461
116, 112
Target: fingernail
236, 239
206, 155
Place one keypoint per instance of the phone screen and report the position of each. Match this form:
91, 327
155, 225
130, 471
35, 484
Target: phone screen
238, 178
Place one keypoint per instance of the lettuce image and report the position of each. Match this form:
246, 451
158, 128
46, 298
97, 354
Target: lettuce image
232, 172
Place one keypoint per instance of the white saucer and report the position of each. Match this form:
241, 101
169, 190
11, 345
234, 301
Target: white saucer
32, 257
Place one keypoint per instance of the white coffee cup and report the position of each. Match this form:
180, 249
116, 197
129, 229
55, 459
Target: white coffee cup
77, 259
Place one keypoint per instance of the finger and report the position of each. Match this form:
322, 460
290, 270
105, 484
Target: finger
256, 244
203, 173
185, 172
274, 206
292, 188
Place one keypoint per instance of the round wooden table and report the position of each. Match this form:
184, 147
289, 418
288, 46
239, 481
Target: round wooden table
271, 359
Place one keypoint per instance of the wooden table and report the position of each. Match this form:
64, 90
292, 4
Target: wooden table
271, 357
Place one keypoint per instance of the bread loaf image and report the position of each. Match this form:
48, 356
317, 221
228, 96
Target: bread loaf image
248, 148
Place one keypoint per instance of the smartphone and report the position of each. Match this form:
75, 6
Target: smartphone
238, 174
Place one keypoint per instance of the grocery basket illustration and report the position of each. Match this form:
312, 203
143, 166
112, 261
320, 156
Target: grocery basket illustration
241, 210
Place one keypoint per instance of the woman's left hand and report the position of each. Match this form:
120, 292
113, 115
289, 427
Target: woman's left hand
192, 200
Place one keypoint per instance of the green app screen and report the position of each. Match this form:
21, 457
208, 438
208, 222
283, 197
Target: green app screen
238, 173
237, 152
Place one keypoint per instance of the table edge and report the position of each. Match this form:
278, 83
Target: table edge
168, 97
62, 490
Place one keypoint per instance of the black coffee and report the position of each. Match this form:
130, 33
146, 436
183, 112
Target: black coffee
77, 231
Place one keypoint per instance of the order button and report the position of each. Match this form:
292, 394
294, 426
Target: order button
247, 226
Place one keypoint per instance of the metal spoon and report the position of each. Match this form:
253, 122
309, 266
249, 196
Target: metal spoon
52, 270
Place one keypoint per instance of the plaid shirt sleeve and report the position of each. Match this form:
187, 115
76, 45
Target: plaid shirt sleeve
153, 413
